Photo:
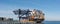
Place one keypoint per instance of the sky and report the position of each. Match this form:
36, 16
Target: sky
49, 7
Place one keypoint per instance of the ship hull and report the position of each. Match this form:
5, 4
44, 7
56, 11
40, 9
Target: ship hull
38, 20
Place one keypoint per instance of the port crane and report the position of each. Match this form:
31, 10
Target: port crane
34, 15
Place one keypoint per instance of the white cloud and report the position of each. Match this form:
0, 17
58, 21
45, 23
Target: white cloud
52, 16
8, 14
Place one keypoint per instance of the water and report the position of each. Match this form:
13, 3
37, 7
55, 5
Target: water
45, 22
51, 22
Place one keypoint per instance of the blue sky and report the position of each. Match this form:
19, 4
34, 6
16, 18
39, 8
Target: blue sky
49, 7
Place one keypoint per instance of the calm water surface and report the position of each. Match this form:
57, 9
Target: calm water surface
51, 22
45, 22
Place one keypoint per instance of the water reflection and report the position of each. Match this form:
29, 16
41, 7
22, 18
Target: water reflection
18, 23
38, 23
31, 23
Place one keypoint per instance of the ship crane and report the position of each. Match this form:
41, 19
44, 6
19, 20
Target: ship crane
28, 15
21, 13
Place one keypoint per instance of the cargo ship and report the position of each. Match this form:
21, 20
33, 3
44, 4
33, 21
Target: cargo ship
25, 17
